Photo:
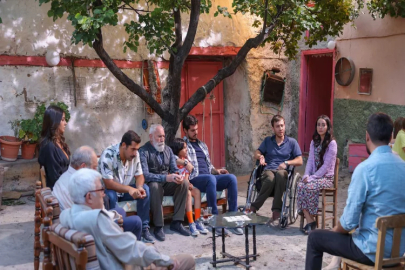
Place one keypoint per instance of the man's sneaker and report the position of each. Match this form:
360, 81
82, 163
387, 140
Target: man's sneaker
159, 233
176, 226
147, 237
237, 231
200, 227
218, 231
193, 229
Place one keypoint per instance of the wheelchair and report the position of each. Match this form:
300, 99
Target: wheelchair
289, 211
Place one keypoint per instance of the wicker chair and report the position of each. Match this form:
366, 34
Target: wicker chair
68, 249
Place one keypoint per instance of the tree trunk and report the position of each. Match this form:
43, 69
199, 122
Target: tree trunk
170, 130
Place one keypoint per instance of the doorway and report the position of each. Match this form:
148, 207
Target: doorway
194, 75
316, 92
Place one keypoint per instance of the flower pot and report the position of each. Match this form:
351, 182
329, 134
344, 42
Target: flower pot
9, 147
28, 150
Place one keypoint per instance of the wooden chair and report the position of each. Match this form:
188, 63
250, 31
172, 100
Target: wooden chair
332, 193
396, 261
43, 200
327, 192
42, 176
67, 249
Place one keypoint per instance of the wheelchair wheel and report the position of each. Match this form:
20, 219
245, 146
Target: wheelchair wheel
285, 207
251, 192
283, 222
293, 209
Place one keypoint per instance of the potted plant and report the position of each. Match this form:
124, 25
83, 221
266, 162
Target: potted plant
30, 129
10, 145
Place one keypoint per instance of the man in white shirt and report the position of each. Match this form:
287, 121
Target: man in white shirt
85, 157
114, 248
123, 178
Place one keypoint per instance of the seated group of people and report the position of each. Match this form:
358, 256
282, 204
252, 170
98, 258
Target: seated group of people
376, 189
184, 170
126, 174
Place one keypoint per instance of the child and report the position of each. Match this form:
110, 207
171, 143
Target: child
179, 148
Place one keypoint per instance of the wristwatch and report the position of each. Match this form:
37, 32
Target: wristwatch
185, 162
286, 162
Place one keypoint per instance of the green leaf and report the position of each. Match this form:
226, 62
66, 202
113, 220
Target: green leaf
21, 134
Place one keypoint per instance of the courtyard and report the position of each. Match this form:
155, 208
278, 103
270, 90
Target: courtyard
278, 249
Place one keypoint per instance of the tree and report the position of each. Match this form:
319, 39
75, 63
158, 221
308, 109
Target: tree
381, 8
279, 22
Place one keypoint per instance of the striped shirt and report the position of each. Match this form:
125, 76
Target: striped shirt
193, 157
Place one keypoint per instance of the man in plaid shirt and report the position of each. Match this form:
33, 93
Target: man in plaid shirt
204, 176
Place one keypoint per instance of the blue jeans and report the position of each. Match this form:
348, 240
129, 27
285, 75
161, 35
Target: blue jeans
131, 224
210, 184
142, 205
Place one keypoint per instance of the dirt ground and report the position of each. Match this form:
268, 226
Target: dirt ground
278, 249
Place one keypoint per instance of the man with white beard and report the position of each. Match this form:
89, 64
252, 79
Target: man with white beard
161, 174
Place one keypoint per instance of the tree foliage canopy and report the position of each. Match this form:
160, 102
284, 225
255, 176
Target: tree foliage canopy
154, 20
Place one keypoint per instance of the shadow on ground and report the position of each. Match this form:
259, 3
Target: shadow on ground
17, 236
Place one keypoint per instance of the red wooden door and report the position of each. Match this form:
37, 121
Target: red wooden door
194, 75
318, 91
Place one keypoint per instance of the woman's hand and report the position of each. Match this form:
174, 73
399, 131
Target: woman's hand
305, 180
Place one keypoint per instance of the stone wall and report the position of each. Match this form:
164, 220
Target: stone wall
350, 119
246, 122
106, 109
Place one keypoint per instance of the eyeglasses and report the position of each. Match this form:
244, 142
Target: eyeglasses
101, 189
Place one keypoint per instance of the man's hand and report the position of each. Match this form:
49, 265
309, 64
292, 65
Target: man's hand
223, 171
189, 167
282, 166
179, 179
190, 186
135, 193
174, 178
175, 265
171, 264
339, 229
142, 192
262, 161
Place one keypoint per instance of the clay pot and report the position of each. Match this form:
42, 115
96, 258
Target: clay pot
9, 146
28, 150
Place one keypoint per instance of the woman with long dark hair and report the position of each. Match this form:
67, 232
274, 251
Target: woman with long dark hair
54, 153
319, 172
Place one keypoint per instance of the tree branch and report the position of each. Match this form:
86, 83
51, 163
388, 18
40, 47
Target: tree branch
124, 79
177, 29
223, 73
123, 7
152, 79
192, 28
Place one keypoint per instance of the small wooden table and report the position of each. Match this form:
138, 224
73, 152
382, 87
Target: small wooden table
218, 221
